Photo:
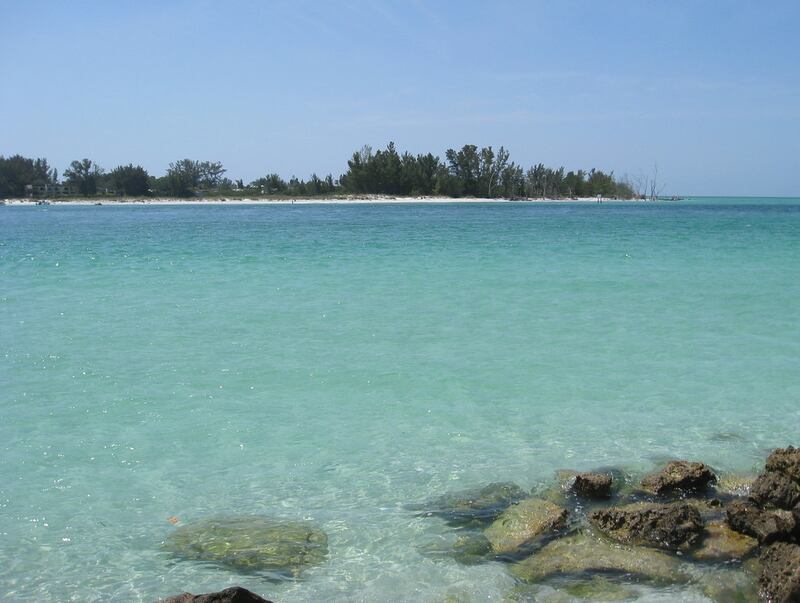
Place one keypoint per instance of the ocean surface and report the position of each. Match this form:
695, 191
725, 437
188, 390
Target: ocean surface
338, 363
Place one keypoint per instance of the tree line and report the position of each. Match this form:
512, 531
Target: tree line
466, 172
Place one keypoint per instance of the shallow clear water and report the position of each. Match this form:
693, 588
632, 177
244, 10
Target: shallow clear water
336, 363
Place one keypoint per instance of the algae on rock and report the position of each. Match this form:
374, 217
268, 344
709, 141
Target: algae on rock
584, 554
255, 543
522, 522
721, 543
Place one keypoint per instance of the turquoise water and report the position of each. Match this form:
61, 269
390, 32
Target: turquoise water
336, 363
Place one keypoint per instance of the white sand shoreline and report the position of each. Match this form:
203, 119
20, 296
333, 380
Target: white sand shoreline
365, 200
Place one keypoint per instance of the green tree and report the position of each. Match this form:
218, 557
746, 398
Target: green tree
271, 184
490, 169
84, 174
210, 174
427, 169
183, 178
15, 173
130, 180
465, 167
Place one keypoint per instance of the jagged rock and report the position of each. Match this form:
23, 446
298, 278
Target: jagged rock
523, 522
479, 505
786, 461
765, 525
679, 477
671, 526
777, 490
283, 549
234, 594
780, 573
581, 554
721, 543
592, 485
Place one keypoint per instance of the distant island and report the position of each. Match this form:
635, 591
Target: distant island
467, 172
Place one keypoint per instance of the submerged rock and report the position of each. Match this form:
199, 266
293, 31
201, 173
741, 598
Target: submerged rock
468, 549
727, 436
522, 523
729, 585
671, 526
765, 525
679, 477
471, 550
774, 489
281, 548
734, 484
780, 573
721, 543
570, 590
709, 508
479, 505
234, 594
581, 554
555, 494
600, 588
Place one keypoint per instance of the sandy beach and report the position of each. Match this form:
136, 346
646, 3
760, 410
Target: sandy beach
345, 200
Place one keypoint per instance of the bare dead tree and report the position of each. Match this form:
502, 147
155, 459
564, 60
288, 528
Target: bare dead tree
655, 189
641, 184
646, 186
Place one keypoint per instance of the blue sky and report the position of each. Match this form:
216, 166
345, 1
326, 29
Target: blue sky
708, 90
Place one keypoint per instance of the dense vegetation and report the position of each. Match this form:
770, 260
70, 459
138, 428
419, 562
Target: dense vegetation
467, 172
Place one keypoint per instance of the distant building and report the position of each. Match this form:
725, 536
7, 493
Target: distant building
50, 190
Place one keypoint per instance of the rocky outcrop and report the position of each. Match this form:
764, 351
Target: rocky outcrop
721, 543
592, 485
765, 525
679, 477
671, 526
480, 505
785, 461
772, 511
523, 522
779, 581
234, 594
280, 549
776, 490
746, 531
581, 554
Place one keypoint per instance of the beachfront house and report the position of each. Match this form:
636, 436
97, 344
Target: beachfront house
50, 190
